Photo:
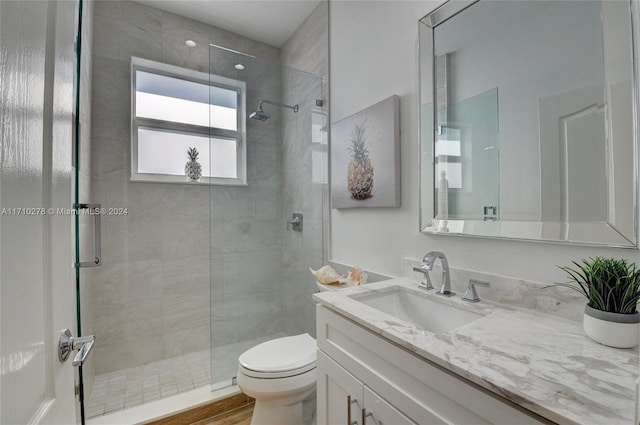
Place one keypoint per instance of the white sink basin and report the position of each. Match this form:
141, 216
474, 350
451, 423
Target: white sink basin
420, 311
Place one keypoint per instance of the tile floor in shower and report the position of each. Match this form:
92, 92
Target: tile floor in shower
134, 386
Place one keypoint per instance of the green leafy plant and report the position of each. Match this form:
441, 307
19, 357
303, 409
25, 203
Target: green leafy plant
609, 284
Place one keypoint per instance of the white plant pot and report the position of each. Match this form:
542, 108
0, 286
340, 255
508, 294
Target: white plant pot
612, 329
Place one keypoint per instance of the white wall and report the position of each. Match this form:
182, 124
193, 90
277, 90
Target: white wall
373, 54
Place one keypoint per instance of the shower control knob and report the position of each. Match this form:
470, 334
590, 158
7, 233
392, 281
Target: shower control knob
296, 222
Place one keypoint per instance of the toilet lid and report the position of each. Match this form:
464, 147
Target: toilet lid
281, 354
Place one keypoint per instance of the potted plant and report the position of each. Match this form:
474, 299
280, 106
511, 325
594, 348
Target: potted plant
612, 289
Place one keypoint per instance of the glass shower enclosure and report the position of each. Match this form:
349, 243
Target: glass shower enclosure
198, 262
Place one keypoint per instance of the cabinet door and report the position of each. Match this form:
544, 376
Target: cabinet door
379, 412
340, 394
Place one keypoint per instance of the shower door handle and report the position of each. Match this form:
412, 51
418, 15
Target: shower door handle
94, 210
68, 343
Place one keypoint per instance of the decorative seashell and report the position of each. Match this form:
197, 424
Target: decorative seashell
357, 276
328, 276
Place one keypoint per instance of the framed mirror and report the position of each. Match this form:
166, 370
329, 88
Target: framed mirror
528, 121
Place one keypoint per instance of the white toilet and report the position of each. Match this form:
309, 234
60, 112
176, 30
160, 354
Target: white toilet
281, 375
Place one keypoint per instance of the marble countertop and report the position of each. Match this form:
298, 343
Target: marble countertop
543, 363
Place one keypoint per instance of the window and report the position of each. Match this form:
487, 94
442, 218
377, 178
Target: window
174, 109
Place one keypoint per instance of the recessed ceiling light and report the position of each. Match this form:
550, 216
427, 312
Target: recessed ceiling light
190, 43
239, 66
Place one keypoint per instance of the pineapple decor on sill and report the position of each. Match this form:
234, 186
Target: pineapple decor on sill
360, 173
193, 169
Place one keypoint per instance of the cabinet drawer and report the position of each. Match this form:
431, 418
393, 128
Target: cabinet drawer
416, 387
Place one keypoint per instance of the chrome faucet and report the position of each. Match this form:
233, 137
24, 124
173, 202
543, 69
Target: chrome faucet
427, 263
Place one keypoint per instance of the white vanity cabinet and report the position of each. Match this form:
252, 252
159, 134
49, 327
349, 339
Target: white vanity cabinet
343, 399
363, 379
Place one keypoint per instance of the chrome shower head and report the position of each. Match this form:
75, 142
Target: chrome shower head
261, 115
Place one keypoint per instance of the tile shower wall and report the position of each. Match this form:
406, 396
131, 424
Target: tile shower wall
151, 296
304, 156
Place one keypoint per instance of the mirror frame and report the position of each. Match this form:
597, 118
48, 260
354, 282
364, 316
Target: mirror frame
523, 230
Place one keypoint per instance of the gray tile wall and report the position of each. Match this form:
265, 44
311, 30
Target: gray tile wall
151, 296
151, 299
306, 50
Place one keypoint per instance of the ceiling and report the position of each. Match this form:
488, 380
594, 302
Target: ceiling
269, 21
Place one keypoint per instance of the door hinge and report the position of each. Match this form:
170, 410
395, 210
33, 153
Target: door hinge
77, 389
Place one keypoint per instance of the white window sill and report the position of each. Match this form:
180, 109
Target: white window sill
206, 181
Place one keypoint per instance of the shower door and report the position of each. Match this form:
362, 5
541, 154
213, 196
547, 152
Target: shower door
261, 287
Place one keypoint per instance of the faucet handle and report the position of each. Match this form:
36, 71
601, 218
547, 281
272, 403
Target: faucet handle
471, 295
426, 281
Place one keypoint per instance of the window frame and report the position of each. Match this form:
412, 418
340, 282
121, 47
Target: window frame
158, 68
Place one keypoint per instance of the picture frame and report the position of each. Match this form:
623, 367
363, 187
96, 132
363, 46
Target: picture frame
365, 157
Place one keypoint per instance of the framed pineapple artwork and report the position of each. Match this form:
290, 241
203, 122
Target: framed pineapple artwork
365, 157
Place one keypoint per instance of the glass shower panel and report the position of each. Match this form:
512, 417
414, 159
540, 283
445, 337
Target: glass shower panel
467, 156
148, 303
260, 284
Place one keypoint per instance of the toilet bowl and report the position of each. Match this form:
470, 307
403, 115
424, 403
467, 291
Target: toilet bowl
281, 375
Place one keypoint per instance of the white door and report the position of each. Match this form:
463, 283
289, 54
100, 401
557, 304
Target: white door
573, 152
37, 280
